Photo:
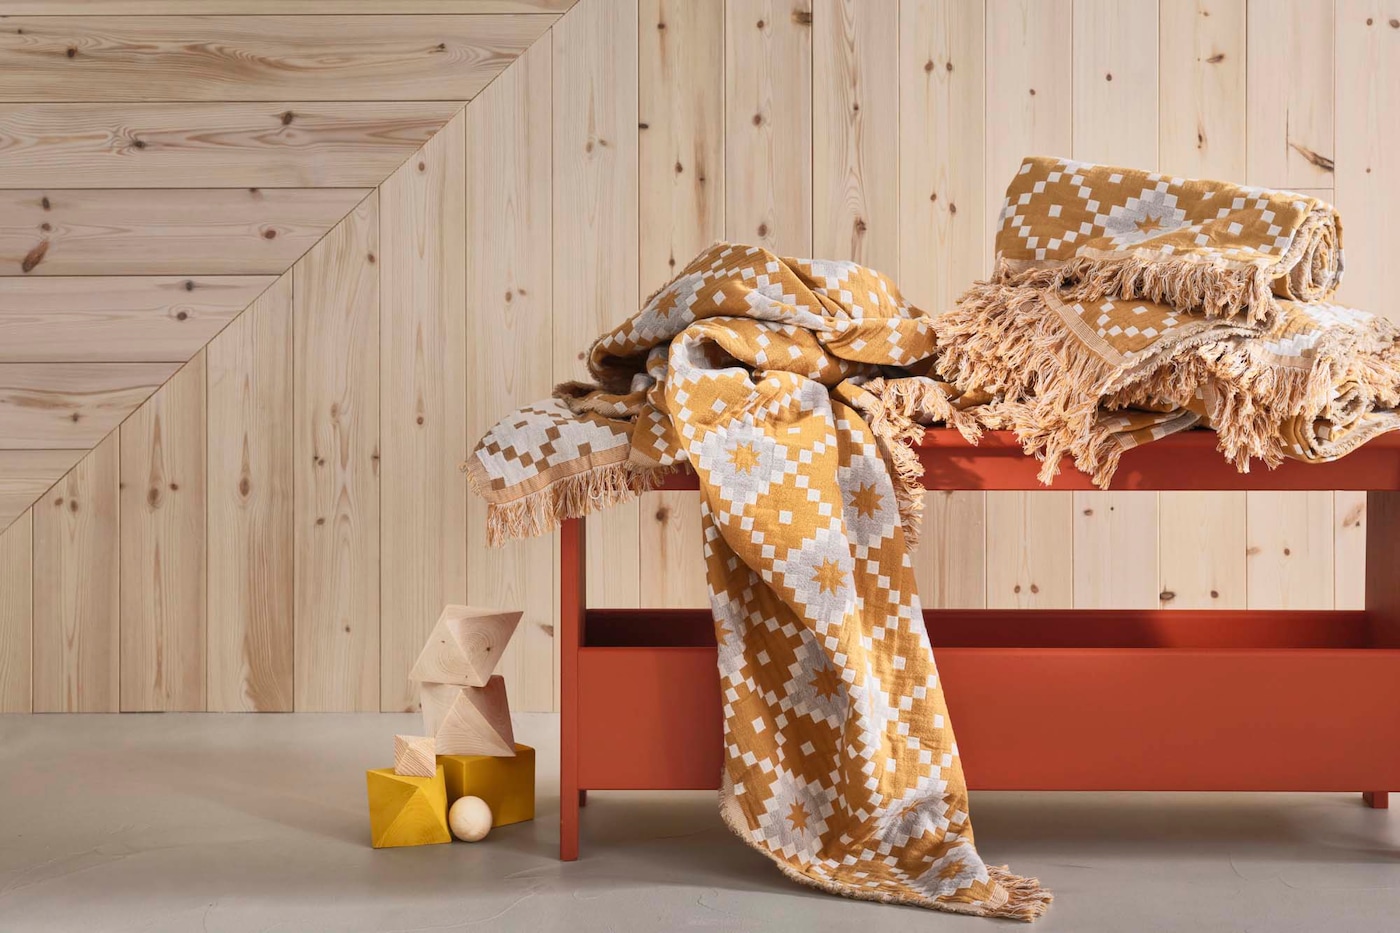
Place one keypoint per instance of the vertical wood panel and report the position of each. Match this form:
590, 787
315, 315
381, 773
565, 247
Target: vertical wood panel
77, 587
1289, 67
1030, 96
1349, 550
163, 547
251, 642
680, 87
335, 311
1202, 133
1115, 550
1116, 121
1202, 542
1115, 82
595, 231
1202, 100
1290, 556
509, 342
942, 235
855, 115
16, 615
1030, 550
768, 124
423, 494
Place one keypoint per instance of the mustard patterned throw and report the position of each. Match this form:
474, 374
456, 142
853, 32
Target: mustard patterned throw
1223, 249
792, 388
1128, 306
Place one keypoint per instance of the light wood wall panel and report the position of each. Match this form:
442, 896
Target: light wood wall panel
258, 145
16, 615
179, 231
336, 430
227, 58
423, 398
1290, 550
25, 474
768, 124
1030, 550
510, 345
71, 405
77, 588
595, 231
163, 547
127, 318
251, 644
681, 207
1289, 63
855, 115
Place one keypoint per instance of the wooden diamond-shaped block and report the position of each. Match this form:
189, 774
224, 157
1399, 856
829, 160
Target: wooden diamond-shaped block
506, 784
468, 720
415, 755
407, 811
465, 645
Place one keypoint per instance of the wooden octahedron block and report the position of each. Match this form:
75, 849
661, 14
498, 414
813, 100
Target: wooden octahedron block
464, 647
415, 755
407, 811
468, 720
506, 784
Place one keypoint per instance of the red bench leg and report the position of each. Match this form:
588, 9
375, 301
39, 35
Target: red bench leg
583, 798
572, 600
1376, 799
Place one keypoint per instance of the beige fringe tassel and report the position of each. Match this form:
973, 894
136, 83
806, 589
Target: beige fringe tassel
574, 496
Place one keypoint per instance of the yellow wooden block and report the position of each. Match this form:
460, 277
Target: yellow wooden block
407, 811
506, 784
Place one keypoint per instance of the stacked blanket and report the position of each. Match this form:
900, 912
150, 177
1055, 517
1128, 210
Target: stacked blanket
1127, 306
766, 375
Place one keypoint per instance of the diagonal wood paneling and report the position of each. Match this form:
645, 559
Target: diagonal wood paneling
111, 319
71, 406
25, 474
224, 58
284, 144
181, 231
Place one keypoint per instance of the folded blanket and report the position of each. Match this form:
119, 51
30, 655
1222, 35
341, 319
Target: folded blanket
787, 386
1082, 366
1225, 250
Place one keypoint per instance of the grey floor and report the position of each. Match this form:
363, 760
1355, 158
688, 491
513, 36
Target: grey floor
237, 822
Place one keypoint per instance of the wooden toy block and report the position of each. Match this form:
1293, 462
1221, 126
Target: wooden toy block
407, 811
468, 720
415, 755
506, 784
464, 647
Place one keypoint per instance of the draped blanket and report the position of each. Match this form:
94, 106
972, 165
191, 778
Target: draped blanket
792, 388
1128, 306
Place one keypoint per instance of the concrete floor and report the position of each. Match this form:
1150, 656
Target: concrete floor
239, 822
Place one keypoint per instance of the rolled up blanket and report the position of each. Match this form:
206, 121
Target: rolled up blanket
1225, 250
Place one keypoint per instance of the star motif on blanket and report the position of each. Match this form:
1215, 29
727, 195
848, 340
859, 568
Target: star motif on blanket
743, 458
666, 303
826, 682
866, 500
1149, 225
797, 816
828, 576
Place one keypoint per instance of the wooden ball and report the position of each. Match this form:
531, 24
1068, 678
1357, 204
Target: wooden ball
470, 819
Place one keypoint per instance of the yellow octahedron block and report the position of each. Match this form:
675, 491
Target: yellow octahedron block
506, 784
407, 811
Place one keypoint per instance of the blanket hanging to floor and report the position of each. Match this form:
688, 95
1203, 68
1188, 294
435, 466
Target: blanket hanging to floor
1128, 306
792, 388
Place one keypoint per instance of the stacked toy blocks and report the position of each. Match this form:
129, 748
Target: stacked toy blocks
470, 748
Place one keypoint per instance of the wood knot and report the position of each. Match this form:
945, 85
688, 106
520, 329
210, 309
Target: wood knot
34, 257
662, 514
72, 52
288, 117
643, 126
420, 419
1395, 24
860, 225
1032, 92
441, 47
72, 505
948, 66
761, 24
762, 230
322, 521
661, 26
1035, 588
46, 226
1016, 588
510, 296
44, 203
174, 487
928, 66
1166, 596
138, 144
679, 168
758, 119
1287, 552
802, 17
1214, 594
75, 417
244, 487
182, 315
952, 208
1216, 59
369, 257
422, 166
269, 234
153, 496
1108, 77
189, 285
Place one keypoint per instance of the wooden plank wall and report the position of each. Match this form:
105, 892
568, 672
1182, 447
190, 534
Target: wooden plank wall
412, 270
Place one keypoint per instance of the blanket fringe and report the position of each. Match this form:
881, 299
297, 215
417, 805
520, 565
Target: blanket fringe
575, 496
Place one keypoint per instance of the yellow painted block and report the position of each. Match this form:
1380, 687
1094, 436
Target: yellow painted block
506, 784
406, 811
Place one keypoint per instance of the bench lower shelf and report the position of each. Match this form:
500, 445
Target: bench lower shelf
1242, 701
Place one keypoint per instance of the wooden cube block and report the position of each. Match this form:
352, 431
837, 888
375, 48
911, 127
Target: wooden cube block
415, 755
464, 647
506, 784
407, 811
468, 720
